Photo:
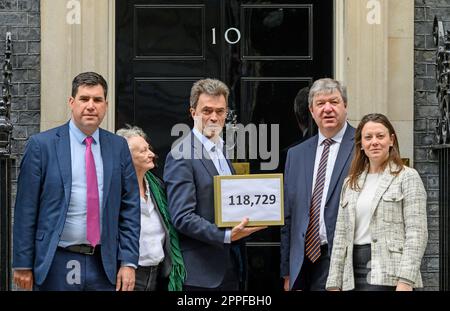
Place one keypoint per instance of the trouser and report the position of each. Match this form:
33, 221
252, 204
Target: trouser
361, 270
146, 278
76, 272
313, 276
231, 278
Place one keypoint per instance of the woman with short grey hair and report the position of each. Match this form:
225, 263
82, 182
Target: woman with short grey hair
159, 250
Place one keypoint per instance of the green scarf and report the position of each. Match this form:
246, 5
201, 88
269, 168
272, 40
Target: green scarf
178, 272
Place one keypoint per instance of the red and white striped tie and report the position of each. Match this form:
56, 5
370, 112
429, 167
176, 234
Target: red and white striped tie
312, 240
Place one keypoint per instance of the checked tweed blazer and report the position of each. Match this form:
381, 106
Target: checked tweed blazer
398, 228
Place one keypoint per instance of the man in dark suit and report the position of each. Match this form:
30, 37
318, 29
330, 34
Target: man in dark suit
212, 256
77, 215
314, 174
304, 122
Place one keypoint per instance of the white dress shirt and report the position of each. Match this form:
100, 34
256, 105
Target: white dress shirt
151, 240
216, 154
332, 156
74, 231
364, 207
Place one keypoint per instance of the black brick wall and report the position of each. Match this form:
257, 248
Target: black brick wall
22, 19
425, 114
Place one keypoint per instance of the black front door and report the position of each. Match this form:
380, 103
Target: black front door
265, 51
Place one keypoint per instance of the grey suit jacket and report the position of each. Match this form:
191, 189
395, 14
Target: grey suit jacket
398, 230
298, 179
188, 176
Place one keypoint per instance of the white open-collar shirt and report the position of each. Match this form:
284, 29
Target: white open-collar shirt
332, 156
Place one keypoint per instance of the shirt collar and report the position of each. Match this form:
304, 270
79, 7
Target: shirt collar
80, 136
207, 143
336, 138
147, 188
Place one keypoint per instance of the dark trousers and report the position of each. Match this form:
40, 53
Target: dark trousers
313, 276
76, 272
361, 270
146, 278
231, 279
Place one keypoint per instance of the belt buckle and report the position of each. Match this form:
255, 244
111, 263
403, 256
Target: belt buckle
91, 250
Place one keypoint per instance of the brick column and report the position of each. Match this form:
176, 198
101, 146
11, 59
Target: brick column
22, 19
425, 113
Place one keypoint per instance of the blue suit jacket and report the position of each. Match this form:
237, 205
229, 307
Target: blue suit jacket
298, 179
190, 193
43, 195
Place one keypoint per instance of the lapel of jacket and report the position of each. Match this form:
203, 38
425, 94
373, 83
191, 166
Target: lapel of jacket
385, 182
353, 198
107, 158
64, 159
233, 172
200, 152
345, 150
310, 157
230, 165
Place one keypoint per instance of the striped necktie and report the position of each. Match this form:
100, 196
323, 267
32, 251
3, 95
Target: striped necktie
312, 240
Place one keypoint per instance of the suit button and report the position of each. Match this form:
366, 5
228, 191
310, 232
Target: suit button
374, 240
400, 249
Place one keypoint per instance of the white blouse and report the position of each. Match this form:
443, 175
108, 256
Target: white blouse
364, 209
151, 240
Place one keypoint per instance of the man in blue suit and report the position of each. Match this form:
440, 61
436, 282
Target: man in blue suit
212, 255
314, 174
77, 214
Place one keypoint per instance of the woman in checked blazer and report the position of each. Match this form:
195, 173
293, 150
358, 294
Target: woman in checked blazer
381, 230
